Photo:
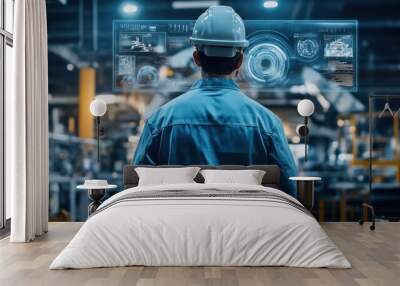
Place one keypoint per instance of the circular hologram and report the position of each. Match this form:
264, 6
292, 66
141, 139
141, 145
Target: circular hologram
147, 75
267, 63
308, 49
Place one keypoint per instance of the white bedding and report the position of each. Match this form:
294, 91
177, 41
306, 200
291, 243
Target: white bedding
185, 231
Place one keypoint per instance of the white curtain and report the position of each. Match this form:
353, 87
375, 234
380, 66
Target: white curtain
27, 147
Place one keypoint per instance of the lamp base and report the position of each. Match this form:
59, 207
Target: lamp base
305, 193
96, 195
305, 190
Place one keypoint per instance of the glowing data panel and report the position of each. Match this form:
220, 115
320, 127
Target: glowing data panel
158, 55
308, 48
338, 46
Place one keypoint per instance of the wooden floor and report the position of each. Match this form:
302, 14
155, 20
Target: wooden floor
375, 257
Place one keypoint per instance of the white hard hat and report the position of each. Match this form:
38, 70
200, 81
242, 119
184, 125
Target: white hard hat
219, 32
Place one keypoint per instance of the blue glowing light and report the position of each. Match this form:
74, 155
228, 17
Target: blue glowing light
129, 8
270, 4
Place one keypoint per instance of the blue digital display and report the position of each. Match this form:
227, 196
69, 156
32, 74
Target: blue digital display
157, 54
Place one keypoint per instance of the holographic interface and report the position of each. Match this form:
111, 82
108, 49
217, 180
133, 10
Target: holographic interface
157, 54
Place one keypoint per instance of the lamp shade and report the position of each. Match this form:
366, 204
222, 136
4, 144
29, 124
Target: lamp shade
98, 107
305, 108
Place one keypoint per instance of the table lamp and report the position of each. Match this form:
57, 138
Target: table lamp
98, 108
305, 108
97, 188
305, 185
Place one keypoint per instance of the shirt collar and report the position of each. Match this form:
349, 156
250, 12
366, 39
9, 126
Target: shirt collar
215, 82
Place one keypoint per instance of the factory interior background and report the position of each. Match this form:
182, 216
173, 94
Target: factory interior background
97, 49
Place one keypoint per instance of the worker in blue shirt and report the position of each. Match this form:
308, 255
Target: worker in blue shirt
214, 123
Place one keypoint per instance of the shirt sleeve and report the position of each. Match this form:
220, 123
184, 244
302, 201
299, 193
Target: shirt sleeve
147, 148
281, 155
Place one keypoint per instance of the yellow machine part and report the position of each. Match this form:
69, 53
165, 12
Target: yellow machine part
87, 92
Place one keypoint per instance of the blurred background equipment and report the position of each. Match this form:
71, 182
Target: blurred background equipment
312, 56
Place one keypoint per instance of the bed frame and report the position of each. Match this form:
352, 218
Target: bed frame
271, 177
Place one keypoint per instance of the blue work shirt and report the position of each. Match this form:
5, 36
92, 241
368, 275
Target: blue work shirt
214, 123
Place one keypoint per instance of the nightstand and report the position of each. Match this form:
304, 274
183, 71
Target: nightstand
96, 192
305, 190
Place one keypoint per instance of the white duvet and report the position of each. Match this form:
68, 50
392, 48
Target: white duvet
200, 231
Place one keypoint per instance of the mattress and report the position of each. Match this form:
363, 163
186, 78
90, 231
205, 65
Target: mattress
201, 225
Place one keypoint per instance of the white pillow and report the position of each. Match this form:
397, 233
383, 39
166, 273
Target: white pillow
166, 176
248, 177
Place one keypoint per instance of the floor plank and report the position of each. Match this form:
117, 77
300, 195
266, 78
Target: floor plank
375, 257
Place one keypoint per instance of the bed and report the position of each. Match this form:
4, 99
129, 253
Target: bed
197, 224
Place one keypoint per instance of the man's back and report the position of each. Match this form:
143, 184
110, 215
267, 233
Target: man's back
215, 124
